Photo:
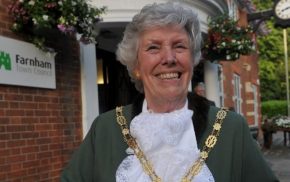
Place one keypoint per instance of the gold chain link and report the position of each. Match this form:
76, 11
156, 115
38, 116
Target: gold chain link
210, 142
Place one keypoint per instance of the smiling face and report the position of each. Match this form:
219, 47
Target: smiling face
165, 66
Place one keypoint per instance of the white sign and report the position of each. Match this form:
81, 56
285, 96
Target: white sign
23, 64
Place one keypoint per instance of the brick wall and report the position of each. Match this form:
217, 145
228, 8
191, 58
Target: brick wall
40, 128
247, 68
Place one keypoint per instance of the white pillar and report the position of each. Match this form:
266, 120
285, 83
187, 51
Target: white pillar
89, 87
211, 82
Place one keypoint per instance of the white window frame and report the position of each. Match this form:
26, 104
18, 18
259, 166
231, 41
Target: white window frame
233, 9
237, 98
256, 108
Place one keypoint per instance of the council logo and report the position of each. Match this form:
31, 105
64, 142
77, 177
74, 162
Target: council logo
5, 61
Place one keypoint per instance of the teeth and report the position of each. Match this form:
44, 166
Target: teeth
168, 75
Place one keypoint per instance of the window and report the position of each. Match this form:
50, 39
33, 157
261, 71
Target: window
233, 9
221, 86
237, 94
256, 114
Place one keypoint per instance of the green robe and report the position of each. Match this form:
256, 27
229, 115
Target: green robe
235, 157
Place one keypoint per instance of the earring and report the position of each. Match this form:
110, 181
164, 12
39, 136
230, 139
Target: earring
137, 75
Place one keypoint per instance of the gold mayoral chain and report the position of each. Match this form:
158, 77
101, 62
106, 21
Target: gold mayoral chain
194, 169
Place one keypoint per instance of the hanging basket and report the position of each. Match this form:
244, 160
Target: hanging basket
226, 40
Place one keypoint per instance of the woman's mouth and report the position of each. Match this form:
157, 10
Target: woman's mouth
168, 76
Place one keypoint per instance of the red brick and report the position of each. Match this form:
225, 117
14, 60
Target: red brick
28, 90
31, 178
3, 89
4, 152
4, 120
17, 174
14, 105
16, 167
55, 133
15, 120
13, 97
43, 127
14, 151
55, 146
29, 120
3, 160
5, 168
30, 149
3, 144
57, 166
3, 176
44, 155
30, 164
16, 128
42, 106
43, 134
32, 120
44, 162
30, 141
28, 105
43, 148
29, 113
17, 158
54, 100
53, 106
55, 174
14, 112
31, 156
28, 98
33, 170
42, 113
5, 136
41, 99
3, 104
16, 143
44, 177
15, 136
29, 135
57, 152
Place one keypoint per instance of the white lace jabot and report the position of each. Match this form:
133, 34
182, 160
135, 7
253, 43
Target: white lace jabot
169, 143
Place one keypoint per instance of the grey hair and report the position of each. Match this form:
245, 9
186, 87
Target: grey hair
158, 15
201, 84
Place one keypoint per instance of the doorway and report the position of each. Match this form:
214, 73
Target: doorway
116, 87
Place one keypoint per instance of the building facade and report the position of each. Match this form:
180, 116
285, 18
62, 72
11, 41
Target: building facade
41, 127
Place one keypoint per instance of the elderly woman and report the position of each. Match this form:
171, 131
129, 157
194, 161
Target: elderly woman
167, 134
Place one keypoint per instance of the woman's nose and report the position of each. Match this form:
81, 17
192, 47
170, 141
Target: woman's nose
169, 56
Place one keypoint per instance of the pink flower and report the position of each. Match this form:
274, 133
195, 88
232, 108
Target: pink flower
66, 29
61, 27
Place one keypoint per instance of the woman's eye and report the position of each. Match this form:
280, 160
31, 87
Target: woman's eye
152, 47
181, 46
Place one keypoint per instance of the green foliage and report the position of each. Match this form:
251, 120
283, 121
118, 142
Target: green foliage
271, 75
271, 58
263, 4
271, 46
274, 107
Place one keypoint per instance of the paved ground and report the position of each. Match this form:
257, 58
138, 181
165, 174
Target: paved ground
278, 157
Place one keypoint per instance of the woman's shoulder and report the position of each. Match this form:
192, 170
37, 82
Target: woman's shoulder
234, 126
109, 118
232, 119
